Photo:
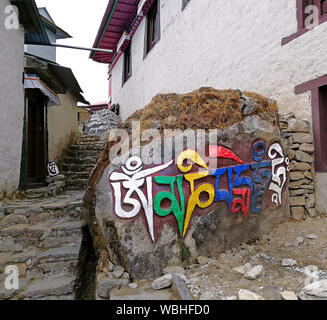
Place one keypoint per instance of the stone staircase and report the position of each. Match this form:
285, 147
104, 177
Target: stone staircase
43, 239
80, 160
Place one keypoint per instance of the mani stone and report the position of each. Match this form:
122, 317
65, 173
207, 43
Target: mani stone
298, 213
248, 295
128, 240
302, 138
303, 156
297, 201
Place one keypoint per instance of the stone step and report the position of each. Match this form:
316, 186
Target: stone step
53, 242
57, 255
85, 147
77, 184
90, 143
61, 268
83, 153
77, 175
67, 229
81, 160
36, 234
75, 167
41, 192
87, 140
54, 286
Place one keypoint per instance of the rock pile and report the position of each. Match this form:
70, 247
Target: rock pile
302, 187
101, 121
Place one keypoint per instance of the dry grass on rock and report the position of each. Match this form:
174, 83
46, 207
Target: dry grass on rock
205, 108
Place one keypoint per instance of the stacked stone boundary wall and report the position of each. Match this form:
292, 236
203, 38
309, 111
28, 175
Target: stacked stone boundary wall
302, 184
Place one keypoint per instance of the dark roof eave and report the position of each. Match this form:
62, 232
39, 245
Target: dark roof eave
61, 79
61, 34
102, 26
30, 19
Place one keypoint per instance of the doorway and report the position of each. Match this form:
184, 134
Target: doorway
36, 139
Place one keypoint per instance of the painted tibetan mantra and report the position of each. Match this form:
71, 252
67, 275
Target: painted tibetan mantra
175, 192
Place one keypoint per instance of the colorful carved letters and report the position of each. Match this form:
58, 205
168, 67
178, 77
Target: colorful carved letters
242, 187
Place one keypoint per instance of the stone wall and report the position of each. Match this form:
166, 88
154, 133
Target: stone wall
101, 122
302, 174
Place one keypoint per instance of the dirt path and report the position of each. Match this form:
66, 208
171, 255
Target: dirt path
305, 242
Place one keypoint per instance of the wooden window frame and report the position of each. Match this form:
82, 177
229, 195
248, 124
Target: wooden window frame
318, 88
127, 55
300, 20
152, 28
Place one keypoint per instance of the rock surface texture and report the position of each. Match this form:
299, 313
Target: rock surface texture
242, 120
43, 239
302, 176
80, 160
101, 121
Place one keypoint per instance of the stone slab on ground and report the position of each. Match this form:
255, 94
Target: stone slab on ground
49, 287
142, 292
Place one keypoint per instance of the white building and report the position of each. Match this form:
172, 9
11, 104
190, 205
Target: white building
38, 97
273, 47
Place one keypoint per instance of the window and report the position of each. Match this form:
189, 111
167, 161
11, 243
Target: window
184, 3
127, 69
320, 129
152, 26
318, 88
305, 17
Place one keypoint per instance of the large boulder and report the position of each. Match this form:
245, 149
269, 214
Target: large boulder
225, 187
101, 121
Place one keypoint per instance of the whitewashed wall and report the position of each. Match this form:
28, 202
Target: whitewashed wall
225, 44
11, 103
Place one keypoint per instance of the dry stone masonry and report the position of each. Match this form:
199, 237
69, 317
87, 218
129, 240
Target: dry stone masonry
302, 175
80, 160
43, 238
101, 121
